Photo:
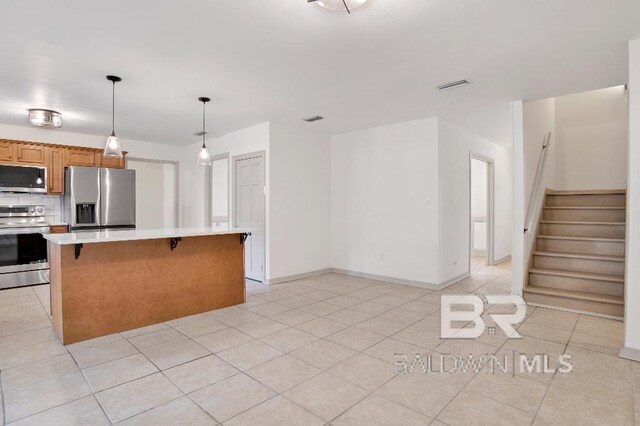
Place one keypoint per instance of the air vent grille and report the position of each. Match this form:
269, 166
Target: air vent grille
312, 119
453, 85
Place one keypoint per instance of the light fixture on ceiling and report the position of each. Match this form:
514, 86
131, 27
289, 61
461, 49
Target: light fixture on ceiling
112, 148
45, 118
347, 5
204, 158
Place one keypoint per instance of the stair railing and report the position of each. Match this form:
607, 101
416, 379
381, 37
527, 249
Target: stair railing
536, 183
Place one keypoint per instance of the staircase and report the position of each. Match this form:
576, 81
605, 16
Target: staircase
578, 256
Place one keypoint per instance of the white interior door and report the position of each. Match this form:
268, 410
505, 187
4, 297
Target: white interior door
250, 211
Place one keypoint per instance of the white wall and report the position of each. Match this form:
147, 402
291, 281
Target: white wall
539, 118
632, 276
251, 139
592, 139
518, 202
139, 149
384, 201
454, 148
401, 200
299, 237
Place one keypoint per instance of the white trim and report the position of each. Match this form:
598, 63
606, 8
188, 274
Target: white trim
401, 281
502, 260
296, 277
630, 353
412, 283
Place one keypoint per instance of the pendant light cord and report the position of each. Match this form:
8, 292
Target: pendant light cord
204, 128
113, 109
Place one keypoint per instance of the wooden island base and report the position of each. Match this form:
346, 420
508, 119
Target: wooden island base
118, 286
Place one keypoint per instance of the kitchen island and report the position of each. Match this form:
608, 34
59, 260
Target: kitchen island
113, 281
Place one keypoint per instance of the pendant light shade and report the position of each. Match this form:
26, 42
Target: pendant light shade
204, 158
112, 148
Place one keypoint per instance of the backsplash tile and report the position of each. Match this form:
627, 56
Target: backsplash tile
52, 203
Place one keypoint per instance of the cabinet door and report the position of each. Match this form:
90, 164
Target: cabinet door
58, 229
55, 171
31, 154
80, 157
113, 163
7, 151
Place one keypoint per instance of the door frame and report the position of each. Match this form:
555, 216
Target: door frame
207, 188
490, 261
176, 182
233, 219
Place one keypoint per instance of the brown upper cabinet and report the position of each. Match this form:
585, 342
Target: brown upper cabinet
55, 158
31, 154
7, 151
82, 157
55, 171
114, 163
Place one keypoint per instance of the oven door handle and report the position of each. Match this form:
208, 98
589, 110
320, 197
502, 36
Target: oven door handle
25, 230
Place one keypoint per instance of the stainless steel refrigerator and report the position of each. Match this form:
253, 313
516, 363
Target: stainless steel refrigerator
100, 198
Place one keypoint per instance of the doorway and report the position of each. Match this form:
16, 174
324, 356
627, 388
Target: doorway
218, 192
156, 193
480, 212
249, 209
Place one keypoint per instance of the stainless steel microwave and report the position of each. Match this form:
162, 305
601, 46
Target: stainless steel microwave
14, 178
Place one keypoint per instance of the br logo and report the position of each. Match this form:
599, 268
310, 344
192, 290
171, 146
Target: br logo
471, 309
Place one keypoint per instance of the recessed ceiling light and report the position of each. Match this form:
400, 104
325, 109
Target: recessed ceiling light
343, 5
45, 118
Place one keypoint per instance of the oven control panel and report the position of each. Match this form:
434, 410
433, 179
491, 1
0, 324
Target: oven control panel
21, 211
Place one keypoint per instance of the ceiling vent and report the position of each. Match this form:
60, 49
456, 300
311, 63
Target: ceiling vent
312, 119
453, 85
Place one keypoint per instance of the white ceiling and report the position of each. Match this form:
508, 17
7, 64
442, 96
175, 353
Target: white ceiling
265, 60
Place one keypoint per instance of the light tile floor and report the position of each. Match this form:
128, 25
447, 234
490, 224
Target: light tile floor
316, 351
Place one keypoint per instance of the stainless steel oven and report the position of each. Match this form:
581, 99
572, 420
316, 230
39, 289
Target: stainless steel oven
23, 249
23, 178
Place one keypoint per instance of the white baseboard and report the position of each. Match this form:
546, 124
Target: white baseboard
401, 281
630, 353
499, 261
454, 280
281, 280
412, 283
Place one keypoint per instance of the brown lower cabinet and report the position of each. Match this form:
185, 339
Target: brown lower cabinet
55, 158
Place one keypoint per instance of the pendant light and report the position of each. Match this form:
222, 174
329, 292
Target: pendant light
112, 148
204, 158
347, 5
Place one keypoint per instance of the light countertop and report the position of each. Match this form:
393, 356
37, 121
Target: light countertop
83, 237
